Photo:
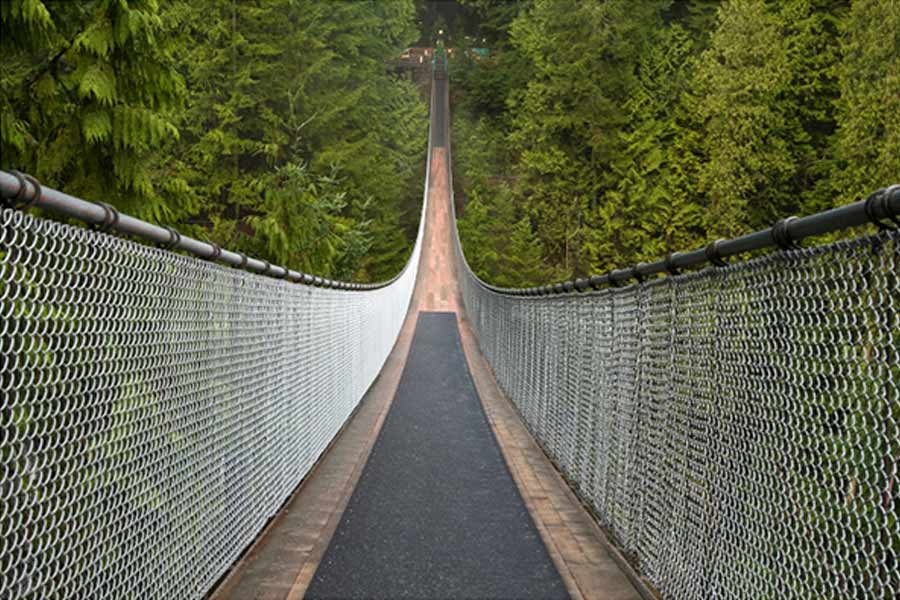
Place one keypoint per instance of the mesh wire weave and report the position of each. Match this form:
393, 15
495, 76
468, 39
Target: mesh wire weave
157, 409
736, 430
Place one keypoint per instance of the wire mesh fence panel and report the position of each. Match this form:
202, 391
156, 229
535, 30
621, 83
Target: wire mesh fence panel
735, 430
157, 409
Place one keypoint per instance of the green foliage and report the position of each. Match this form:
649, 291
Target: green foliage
90, 99
300, 221
812, 42
738, 82
285, 83
592, 128
501, 246
478, 239
523, 258
867, 149
613, 131
644, 214
494, 18
626, 130
272, 127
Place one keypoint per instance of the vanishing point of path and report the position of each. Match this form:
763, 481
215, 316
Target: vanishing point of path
434, 489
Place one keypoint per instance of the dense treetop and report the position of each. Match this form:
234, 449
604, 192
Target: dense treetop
599, 134
274, 128
594, 135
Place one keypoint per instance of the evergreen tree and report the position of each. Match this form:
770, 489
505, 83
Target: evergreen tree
635, 129
495, 18
290, 87
867, 150
644, 215
748, 160
478, 239
89, 101
568, 121
813, 46
594, 135
522, 262
271, 127
300, 222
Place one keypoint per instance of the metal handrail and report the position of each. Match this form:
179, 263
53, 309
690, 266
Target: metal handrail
23, 191
881, 205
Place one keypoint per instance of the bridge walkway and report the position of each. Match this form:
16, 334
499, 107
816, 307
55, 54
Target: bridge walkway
434, 488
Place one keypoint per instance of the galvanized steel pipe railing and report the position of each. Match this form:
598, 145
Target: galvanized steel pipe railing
23, 191
881, 208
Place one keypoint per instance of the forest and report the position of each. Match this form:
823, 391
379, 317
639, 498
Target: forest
599, 134
270, 127
586, 134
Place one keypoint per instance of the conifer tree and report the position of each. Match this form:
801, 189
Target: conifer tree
291, 87
477, 237
568, 121
522, 262
89, 100
274, 127
867, 150
645, 215
738, 84
635, 129
811, 34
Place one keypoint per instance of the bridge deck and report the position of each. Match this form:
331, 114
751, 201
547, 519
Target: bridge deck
434, 512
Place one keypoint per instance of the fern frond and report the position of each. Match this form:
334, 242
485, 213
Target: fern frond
99, 82
96, 125
97, 39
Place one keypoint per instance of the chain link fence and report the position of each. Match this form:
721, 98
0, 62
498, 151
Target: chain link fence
735, 430
158, 409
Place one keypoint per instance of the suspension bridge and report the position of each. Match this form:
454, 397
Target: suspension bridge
205, 424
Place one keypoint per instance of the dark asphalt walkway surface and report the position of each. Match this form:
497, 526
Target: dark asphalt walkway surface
439, 124
436, 513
